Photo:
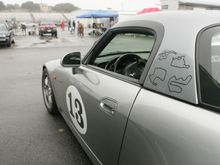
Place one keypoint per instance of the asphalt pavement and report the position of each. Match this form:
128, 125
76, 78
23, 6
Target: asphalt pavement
28, 134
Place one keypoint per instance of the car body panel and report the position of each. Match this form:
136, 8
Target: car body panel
55, 70
158, 119
173, 50
164, 131
183, 47
95, 88
48, 26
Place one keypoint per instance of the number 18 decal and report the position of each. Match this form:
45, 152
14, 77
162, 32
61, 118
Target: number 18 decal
76, 109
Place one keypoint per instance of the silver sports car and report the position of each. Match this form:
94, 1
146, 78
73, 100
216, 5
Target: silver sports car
147, 93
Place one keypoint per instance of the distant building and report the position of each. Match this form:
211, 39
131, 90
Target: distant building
189, 5
44, 7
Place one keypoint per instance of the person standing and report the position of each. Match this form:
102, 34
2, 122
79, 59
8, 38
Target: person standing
62, 25
74, 24
80, 29
23, 28
69, 25
73, 27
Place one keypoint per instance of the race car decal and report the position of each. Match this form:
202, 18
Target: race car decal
76, 109
179, 62
171, 71
176, 84
158, 75
164, 55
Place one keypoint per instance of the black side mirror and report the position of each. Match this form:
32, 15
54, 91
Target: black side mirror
71, 60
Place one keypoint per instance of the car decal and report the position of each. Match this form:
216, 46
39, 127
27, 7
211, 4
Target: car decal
164, 54
171, 72
176, 84
179, 62
158, 75
76, 109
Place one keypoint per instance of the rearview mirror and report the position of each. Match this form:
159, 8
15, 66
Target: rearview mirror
71, 60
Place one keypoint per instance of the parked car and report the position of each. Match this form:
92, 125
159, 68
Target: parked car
6, 35
47, 28
148, 91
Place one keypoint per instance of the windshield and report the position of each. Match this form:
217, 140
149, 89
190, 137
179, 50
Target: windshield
129, 43
47, 23
3, 27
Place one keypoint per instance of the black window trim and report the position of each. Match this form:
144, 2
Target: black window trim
198, 40
155, 28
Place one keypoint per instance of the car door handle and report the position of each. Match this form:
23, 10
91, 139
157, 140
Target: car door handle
108, 105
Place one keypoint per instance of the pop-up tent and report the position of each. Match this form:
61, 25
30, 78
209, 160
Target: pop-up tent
99, 14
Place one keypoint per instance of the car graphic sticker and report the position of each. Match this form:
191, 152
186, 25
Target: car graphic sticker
176, 84
164, 55
171, 72
76, 109
179, 62
158, 75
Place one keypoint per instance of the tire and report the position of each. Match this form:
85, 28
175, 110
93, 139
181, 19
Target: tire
48, 95
9, 43
55, 34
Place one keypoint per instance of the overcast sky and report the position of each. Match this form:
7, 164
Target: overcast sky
98, 4
128, 5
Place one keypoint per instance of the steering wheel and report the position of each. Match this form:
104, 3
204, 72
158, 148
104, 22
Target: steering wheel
123, 61
135, 69
110, 65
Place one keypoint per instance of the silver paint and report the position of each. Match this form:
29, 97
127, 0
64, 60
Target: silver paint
159, 130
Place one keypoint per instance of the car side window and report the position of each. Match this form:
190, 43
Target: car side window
209, 67
126, 54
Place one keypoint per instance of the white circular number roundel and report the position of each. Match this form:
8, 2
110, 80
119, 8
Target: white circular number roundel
76, 109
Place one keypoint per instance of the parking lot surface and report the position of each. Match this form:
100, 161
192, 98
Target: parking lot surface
28, 134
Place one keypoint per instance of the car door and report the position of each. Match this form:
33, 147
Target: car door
167, 130
100, 93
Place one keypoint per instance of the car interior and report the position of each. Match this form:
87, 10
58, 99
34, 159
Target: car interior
122, 57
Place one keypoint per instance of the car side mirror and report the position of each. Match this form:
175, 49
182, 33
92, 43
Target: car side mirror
71, 60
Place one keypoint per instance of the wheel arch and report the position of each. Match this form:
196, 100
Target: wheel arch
51, 66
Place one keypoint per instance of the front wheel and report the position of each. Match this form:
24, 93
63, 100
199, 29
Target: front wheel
48, 94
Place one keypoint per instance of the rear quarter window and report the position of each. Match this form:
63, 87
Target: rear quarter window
209, 67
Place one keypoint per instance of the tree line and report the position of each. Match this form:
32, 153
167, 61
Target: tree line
35, 7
